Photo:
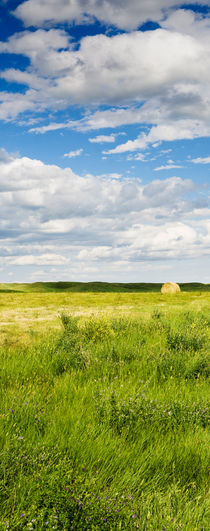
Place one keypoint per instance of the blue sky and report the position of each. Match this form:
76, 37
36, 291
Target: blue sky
104, 140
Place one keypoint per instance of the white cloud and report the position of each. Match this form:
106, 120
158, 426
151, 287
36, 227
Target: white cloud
50, 127
34, 44
111, 118
180, 130
186, 21
100, 139
4, 156
13, 103
168, 167
73, 154
121, 13
110, 176
137, 156
44, 259
201, 160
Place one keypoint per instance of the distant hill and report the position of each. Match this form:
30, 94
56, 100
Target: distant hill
96, 287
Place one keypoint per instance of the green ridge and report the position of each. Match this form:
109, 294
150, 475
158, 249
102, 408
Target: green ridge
97, 287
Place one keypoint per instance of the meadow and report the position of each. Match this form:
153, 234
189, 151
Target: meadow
104, 409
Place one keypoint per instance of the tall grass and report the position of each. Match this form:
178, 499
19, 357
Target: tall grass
104, 425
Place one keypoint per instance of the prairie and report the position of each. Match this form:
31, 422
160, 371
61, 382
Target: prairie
104, 409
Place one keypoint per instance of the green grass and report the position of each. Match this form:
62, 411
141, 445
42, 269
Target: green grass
104, 417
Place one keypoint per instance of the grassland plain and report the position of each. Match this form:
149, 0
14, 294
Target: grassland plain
104, 410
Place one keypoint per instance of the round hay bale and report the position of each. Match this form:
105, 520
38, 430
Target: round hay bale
170, 287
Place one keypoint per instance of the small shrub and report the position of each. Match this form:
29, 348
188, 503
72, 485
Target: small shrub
69, 352
70, 324
189, 339
170, 364
157, 322
98, 329
200, 367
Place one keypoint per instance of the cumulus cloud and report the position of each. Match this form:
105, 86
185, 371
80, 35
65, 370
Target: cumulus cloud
51, 216
33, 44
126, 66
164, 72
121, 13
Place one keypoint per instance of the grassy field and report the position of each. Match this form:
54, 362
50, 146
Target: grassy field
104, 409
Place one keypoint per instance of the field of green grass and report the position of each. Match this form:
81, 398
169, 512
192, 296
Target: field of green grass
104, 409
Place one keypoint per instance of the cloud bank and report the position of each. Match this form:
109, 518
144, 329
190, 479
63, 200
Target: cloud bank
52, 216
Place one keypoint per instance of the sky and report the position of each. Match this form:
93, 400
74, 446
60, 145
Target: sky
104, 140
